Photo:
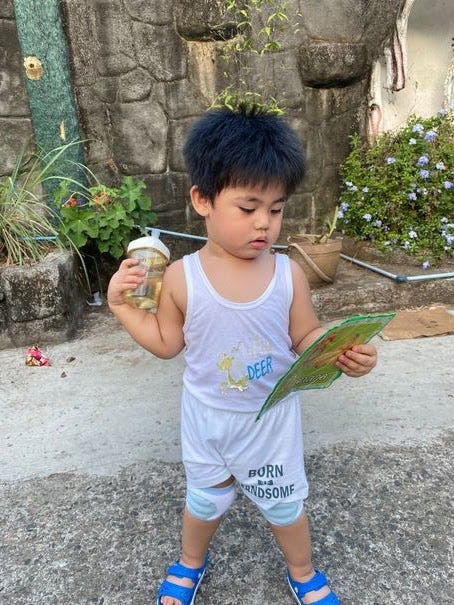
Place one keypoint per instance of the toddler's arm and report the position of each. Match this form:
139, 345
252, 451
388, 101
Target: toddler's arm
161, 333
305, 328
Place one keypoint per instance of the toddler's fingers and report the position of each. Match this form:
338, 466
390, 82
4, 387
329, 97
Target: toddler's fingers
365, 349
128, 262
355, 363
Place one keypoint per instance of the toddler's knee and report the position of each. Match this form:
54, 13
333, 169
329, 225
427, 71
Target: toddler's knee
209, 503
283, 513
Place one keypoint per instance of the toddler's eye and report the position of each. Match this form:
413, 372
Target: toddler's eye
276, 210
247, 210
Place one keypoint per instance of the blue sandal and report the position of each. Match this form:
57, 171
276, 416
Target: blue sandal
300, 589
185, 595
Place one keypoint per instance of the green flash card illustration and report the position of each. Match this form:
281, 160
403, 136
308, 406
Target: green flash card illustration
315, 367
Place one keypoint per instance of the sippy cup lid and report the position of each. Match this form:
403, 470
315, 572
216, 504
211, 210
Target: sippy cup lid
150, 241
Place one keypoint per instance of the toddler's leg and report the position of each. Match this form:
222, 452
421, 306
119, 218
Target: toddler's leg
295, 543
196, 537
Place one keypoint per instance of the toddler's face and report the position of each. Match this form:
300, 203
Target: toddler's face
246, 221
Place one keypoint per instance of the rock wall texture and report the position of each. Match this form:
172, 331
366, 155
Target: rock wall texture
15, 122
144, 69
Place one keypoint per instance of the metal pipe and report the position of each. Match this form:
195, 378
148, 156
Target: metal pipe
398, 278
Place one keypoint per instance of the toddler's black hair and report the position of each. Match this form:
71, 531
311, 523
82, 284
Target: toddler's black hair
231, 148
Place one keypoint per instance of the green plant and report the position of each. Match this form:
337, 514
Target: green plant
249, 101
330, 228
271, 15
27, 223
106, 216
257, 26
399, 192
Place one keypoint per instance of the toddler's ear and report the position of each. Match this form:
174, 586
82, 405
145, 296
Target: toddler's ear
201, 204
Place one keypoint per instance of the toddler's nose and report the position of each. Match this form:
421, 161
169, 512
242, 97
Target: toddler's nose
262, 220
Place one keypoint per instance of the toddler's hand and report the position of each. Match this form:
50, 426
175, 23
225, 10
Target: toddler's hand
358, 361
128, 277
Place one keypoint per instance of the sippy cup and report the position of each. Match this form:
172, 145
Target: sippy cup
153, 256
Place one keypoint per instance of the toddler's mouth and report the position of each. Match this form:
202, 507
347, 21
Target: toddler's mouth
260, 242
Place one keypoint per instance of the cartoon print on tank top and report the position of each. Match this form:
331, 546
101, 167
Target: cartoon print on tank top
245, 363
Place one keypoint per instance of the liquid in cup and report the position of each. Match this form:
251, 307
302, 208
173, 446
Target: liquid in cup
153, 256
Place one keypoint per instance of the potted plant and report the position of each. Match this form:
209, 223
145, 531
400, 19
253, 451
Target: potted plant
38, 269
318, 254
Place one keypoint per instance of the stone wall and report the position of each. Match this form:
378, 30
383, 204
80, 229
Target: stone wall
144, 69
15, 122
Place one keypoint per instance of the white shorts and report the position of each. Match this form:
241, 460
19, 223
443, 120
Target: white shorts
265, 457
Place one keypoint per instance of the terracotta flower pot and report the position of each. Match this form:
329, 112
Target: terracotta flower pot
319, 261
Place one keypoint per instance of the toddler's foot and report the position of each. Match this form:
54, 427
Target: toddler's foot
313, 588
181, 584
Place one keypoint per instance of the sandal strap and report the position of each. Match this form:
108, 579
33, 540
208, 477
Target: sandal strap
181, 571
315, 583
181, 593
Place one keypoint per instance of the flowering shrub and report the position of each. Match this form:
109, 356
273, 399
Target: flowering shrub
400, 192
107, 216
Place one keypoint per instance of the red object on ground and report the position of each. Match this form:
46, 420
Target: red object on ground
34, 357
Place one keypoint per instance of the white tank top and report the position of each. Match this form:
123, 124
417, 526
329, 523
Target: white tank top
236, 352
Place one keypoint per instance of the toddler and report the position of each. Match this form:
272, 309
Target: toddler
241, 313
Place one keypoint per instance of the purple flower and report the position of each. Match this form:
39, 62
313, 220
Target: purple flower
378, 223
366, 189
423, 160
426, 264
431, 135
367, 217
448, 185
441, 112
419, 128
412, 196
344, 206
412, 234
425, 174
406, 245
440, 166
412, 141
390, 160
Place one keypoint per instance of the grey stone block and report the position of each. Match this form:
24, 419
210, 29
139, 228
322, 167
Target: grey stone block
135, 86
340, 21
40, 300
140, 137
155, 12
13, 96
204, 20
178, 130
15, 132
7, 9
327, 64
160, 50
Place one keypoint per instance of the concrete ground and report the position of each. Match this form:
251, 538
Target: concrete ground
92, 487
